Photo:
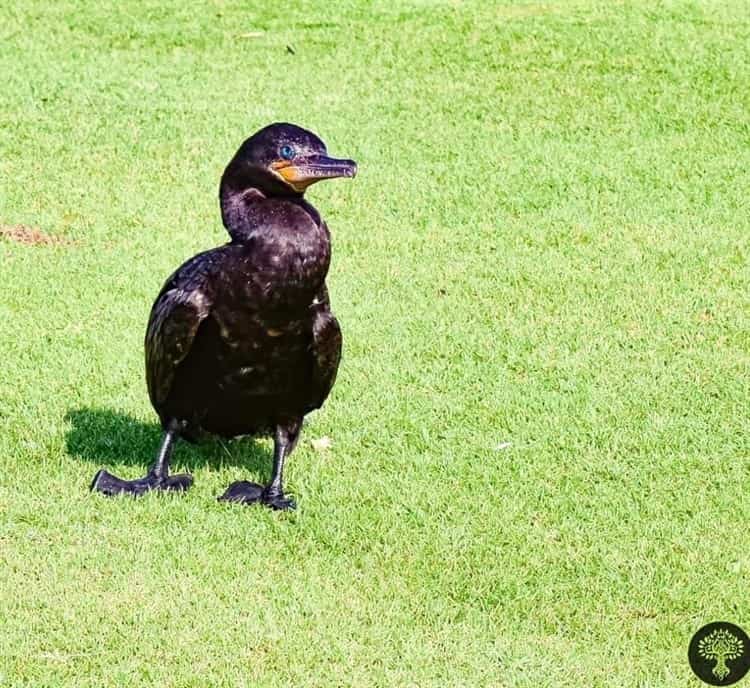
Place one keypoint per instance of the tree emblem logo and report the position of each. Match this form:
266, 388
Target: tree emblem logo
720, 645
719, 653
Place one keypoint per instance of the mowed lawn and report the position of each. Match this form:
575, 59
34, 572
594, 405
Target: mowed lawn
538, 463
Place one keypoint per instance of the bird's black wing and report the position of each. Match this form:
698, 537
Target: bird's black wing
184, 302
326, 349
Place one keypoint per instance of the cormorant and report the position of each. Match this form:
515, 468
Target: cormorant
241, 339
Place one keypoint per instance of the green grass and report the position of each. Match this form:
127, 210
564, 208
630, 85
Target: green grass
547, 245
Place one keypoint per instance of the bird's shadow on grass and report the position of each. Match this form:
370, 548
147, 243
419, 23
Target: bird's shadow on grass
105, 437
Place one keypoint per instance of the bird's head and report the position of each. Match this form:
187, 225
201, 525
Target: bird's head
284, 157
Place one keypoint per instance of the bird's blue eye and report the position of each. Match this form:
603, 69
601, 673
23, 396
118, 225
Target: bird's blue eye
287, 152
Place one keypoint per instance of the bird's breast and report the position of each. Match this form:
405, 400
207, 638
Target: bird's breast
281, 271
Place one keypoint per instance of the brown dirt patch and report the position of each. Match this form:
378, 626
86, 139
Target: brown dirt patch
33, 236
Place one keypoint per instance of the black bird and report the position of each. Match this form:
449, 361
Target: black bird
241, 339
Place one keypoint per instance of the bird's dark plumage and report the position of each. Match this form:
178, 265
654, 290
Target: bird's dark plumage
241, 338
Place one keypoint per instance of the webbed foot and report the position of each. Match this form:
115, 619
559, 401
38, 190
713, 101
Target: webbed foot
242, 492
110, 485
278, 500
245, 492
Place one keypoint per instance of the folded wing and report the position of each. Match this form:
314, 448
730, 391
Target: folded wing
184, 303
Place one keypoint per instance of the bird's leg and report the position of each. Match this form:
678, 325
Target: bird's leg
285, 439
284, 442
157, 478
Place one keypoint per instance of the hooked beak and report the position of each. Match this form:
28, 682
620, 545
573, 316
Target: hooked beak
301, 172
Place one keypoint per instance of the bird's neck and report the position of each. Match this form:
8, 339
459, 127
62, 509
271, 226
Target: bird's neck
241, 193
289, 242
250, 213
239, 211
